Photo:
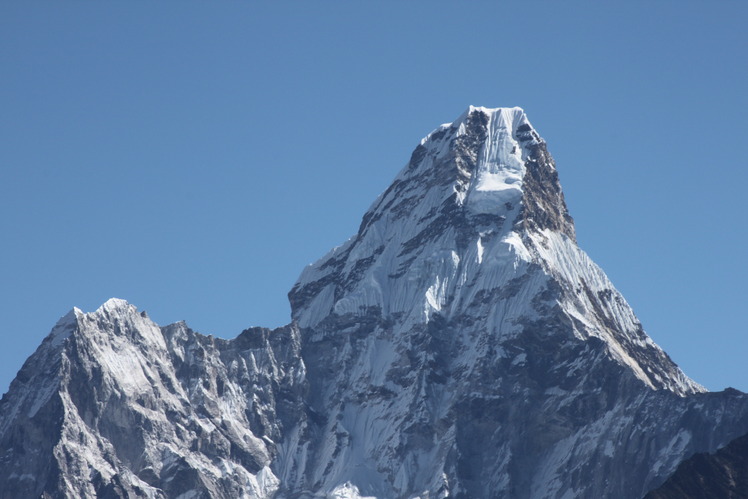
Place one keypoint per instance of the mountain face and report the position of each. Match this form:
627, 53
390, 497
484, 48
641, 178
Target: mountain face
111, 405
459, 345
723, 474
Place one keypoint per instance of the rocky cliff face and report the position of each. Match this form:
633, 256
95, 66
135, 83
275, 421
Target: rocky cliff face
459, 345
722, 474
111, 405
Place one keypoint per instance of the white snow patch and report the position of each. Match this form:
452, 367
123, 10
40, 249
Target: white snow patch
347, 491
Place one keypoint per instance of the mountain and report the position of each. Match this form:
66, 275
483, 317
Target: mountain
460, 344
111, 405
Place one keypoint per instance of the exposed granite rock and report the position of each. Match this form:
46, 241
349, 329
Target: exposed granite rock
128, 409
722, 474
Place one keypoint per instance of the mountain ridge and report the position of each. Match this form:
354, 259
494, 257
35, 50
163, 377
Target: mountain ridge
702, 476
459, 345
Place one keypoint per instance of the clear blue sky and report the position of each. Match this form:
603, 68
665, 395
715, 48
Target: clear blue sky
193, 157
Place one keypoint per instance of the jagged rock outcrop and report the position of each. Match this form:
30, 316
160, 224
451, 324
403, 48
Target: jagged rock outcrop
723, 474
459, 345
111, 405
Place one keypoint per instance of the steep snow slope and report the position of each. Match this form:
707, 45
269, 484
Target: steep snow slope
459, 345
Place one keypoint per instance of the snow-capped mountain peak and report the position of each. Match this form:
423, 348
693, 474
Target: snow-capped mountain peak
460, 344
494, 177
468, 264
478, 207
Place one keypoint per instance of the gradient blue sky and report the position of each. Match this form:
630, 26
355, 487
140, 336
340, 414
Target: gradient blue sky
193, 157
